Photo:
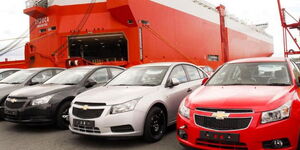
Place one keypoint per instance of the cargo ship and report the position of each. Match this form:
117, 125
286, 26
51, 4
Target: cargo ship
67, 33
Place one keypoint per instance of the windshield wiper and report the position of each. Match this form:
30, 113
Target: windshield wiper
146, 84
231, 84
14, 83
69, 84
278, 84
49, 83
4, 83
122, 85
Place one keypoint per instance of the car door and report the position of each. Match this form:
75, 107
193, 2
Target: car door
174, 95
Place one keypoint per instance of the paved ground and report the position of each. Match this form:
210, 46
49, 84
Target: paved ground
18, 137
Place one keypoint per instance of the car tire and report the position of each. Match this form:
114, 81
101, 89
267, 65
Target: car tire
2, 110
62, 121
155, 125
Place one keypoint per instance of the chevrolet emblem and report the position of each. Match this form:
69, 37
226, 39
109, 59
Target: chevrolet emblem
220, 115
85, 107
13, 100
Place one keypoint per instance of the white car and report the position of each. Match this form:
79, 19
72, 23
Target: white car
141, 101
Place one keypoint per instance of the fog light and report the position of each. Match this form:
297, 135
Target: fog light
277, 144
181, 132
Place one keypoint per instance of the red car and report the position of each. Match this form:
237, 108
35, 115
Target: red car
249, 104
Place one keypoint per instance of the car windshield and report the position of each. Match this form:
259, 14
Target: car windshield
69, 77
140, 76
18, 77
270, 74
5, 74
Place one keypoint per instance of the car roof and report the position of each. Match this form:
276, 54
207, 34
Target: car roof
166, 64
94, 67
7, 69
260, 59
42, 68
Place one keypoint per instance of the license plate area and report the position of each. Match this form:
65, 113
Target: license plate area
84, 123
219, 137
10, 112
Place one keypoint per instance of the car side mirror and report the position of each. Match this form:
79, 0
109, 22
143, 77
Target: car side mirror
204, 81
89, 83
173, 82
33, 83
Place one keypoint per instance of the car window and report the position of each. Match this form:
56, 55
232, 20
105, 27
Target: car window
6, 74
206, 69
192, 72
43, 76
179, 74
57, 71
141, 76
71, 76
202, 74
100, 76
115, 71
269, 73
19, 77
295, 71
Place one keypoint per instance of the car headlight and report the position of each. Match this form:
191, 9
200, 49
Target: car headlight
278, 114
42, 100
183, 110
124, 107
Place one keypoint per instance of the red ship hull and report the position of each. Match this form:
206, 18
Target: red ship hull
67, 35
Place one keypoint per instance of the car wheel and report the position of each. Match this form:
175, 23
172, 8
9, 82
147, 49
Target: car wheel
2, 110
62, 116
155, 125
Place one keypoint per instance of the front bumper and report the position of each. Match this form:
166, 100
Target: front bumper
106, 121
41, 114
251, 138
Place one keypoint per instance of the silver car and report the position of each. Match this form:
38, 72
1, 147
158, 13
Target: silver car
141, 101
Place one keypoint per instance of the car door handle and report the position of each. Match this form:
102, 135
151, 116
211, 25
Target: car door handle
189, 90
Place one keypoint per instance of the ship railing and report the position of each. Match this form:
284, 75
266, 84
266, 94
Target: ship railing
230, 16
36, 3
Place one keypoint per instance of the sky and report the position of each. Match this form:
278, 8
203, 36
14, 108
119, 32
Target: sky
14, 23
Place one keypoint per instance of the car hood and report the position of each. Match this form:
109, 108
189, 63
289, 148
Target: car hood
8, 85
257, 98
114, 94
6, 89
40, 90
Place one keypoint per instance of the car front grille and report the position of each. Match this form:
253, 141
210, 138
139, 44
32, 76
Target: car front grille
222, 145
87, 130
225, 110
14, 105
90, 104
225, 124
87, 114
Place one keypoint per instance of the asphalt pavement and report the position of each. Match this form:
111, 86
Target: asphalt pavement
20, 137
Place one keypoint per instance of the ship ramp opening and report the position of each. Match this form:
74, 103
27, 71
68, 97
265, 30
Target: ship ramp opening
99, 48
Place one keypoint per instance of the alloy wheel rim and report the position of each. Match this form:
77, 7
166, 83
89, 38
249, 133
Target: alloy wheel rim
65, 116
157, 123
